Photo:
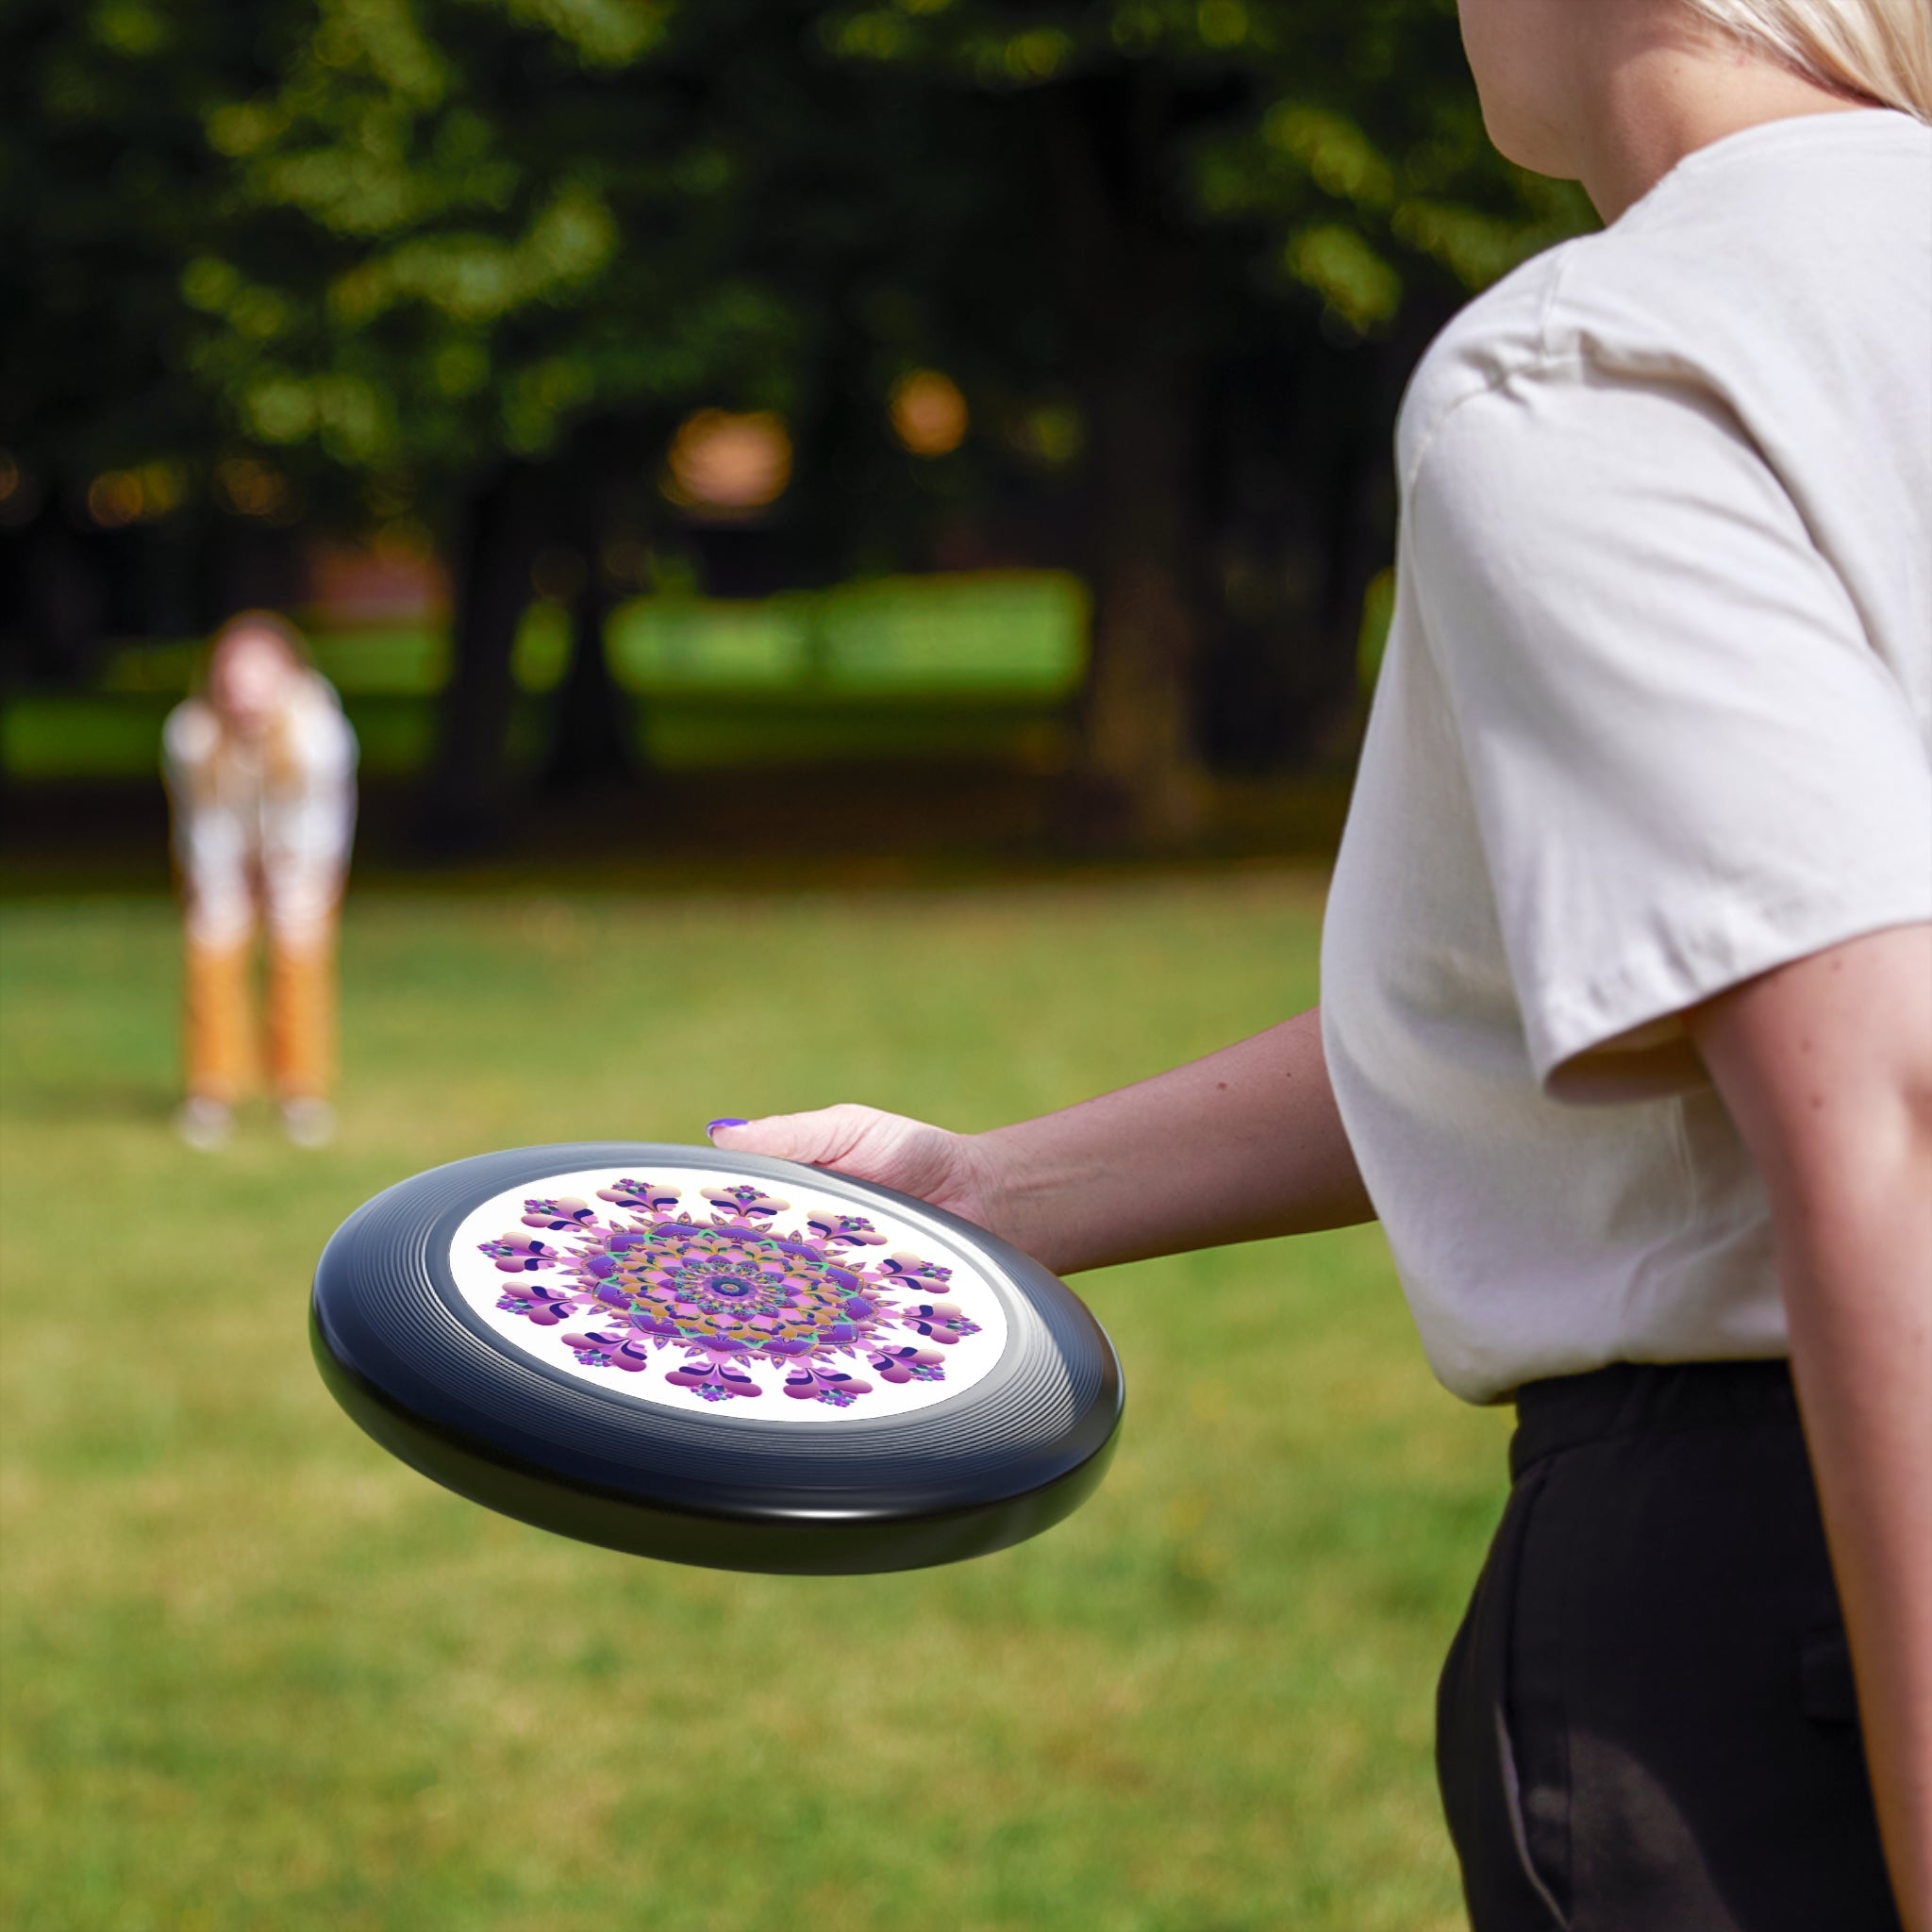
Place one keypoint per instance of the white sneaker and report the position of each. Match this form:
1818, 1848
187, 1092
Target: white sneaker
204, 1124
309, 1122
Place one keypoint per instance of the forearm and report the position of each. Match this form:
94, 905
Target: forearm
1857, 1285
1826, 1068
1242, 1146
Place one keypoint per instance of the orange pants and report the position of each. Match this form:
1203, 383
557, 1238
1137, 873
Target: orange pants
222, 1046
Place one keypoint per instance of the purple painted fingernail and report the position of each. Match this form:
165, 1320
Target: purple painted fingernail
714, 1127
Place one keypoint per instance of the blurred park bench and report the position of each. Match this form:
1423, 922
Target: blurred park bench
982, 666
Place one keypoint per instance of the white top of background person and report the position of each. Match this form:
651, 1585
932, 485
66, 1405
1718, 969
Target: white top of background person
1629, 962
260, 768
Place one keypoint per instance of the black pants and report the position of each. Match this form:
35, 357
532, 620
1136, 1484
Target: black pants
1646, 1721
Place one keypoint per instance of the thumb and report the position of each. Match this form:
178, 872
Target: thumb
818, 1138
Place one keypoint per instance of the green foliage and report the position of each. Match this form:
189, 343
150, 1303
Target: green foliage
500, 237
396, 238
1347, 133
256, 1673
106, 189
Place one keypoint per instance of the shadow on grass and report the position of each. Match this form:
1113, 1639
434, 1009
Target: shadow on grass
770, 828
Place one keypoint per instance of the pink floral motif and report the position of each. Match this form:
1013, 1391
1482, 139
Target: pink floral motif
728, 1299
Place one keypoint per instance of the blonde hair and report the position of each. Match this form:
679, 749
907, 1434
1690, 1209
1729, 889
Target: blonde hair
1880, 50
257, 623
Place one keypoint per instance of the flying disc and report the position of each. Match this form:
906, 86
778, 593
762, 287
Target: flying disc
715, 1358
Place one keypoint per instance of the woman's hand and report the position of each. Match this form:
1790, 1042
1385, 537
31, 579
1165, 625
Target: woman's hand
949, 1170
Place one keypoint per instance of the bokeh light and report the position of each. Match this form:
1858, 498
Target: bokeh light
929, 415
1049, 433
114, 499
250, 489
726, 464
119, 497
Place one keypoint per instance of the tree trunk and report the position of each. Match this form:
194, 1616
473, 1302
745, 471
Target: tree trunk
590, 744
1139, 736
62, 601
593, 745
1132, 301
468, 798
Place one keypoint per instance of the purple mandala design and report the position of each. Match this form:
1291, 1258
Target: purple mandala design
708, 1301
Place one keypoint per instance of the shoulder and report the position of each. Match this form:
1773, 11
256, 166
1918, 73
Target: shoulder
1753, 267
1497, 337
320, 734
191, 735
1608, 307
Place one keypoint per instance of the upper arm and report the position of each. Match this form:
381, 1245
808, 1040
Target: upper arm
1825, 1067
1689, 765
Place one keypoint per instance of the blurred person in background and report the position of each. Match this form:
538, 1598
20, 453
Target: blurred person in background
260, 768
1626, 1022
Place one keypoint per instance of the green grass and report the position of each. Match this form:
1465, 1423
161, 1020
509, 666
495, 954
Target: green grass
257, 1674
981, 665
69, 735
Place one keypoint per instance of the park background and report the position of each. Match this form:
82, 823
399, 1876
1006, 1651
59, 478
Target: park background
856, 540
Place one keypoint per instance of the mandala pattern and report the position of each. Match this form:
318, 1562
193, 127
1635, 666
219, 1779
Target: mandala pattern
724, 1298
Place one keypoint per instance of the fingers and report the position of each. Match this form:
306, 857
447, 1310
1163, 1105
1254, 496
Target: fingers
861, 1140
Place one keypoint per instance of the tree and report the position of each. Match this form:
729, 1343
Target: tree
490, 237
469, 261
1217, 201
110, 190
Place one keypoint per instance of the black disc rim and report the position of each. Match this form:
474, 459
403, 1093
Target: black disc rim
415, 1366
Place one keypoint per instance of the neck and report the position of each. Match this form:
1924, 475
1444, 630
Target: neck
1661, 94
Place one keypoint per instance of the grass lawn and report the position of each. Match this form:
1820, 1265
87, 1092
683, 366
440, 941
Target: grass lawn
258, 1675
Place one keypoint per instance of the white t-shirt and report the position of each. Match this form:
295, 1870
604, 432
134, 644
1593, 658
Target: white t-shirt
1655, 716
245, 830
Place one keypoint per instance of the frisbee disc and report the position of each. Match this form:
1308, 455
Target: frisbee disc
715, 1358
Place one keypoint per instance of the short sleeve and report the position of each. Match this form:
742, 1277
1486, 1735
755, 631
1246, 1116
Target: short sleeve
1688, 763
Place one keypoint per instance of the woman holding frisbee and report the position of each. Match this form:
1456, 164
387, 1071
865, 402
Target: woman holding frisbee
261, 767
1626, 1030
